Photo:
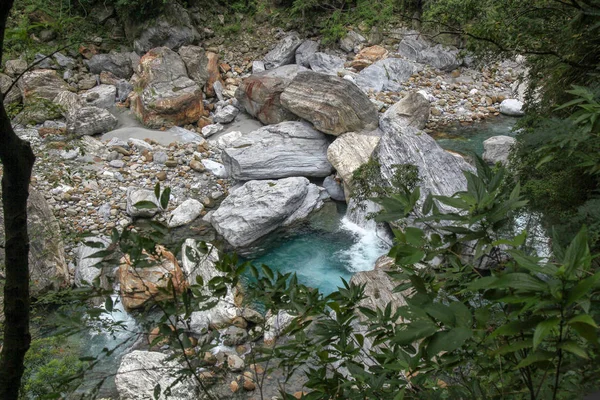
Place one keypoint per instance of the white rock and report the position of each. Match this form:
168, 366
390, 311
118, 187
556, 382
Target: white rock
512, 107
185, 213
497, 149
216, 168
210, 130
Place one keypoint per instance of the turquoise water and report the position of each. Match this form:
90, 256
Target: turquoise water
323, 251
468, 139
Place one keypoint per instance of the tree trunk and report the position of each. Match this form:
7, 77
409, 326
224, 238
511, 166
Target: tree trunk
17, 161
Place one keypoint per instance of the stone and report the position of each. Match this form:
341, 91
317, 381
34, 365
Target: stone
63, 61
259, 207
325, 63
196, 62
416, 48
234, 336
284, 52
368, 56
16, 67
258, 66
512, 107
497, 149
411, 111
349, 151
140, 371
102, 96
87, 82
135, 196
41, 83
118, 64
235, 363
379, 290
139, 286
14, 96
90, 121
227, 139
164, 95
199, 260
47, 266
334, 188
278, 151
276, 325
387, 75
88, 269
183, 135
259, 94
124, 88
305, 51
226, 114
216, 168
185, 213
352, 41
214, 75
117, 163
212, 129
333, 105
69, 102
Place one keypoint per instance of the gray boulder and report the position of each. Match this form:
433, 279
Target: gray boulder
134, 196
512, 107
260, 94
90, 121
185, 213
352, 41
196, 62
259, 207
216, 168
102, 96
226, 114
284, 52
141, 371
119, 64
387, 75
416, 48
41, 83
411, 111
334, 188
14, 96
333, 105
278, 151
69, 102
88, 269
497, 149
15, 67
123, 89
196, 263
325, 63
349, 151
305, 51
64, 62
47, 267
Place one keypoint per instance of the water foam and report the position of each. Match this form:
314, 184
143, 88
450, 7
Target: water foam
368, 247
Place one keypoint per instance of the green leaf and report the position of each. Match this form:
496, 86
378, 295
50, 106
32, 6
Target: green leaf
414, 331
267, 271
586, 331
583, 319
513, 347
577, 255
427, 204
157, 387
520, 281
515, 242
164, 198
145, 205
447, 341
582, 288
539, 355
414, 236
108, 304
515, 327
572, 347
441, 312
157, 190
543, 329
462, 313
482, 283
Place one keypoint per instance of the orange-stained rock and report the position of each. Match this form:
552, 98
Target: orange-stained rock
213, 73
368, 56
143, 284
163, 94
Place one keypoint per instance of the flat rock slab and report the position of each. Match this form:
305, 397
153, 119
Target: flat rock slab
333, 105
278, 151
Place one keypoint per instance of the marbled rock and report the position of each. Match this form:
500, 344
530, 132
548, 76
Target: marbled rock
123, 89
199, 261
90, 121
142, 285
334, 188
214, 75
165, 96
350, 151
259, 207
276, 325
352, 41
497, 149
216, 168
196, 62
284, 52
134, 196
47, 267
278, 151
211, 129
226, 114
512, 107
88, 269
333, 105
69, 102
41, 83
411, 111
389, 75
368, 56
234, 336
119, 64
325, 63
260, 94
102, 96
305, 51
14, 96
141, 371
416, 48
15, 67
226, 139
185, 213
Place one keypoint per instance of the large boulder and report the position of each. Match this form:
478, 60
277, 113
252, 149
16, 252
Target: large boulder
69, 103
349, 151
368, 56
259, 94
333, 105
88, 269
284, 52
325, 63
185, 213
135, 196
416, 48
199, 261
196, 62
278, 151
411, 111
41, 83
102, 96
352, 41
90, 120
47, 267
119, 64
141, 371
144, 284
259, 207
305, 51
14, 96
497, 149
387, 75
512, 107
164, 95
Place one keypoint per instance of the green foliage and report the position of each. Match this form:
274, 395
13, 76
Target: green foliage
52, 366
